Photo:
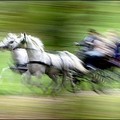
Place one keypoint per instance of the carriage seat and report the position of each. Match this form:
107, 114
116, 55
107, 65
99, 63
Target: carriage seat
97, 60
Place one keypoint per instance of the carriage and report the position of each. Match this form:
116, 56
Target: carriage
103, 68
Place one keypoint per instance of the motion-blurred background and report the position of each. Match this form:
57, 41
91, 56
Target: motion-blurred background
58, 24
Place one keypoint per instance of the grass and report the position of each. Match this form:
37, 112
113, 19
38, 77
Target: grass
11, 82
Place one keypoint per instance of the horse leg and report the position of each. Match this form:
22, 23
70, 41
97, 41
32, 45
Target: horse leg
54, 82
26, 77
38, 75
66, 77
71, 87
3, 70
54, 74
27, 80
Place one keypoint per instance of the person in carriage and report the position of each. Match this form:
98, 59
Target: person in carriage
103, 50
88, 40
87, 43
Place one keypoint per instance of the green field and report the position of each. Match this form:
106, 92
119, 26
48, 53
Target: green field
11, 82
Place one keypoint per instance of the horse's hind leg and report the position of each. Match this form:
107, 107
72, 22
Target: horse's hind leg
54, 83
54, 74
68, 82
26, 77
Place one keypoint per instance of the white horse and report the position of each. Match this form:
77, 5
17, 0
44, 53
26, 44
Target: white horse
19, 57
41, 62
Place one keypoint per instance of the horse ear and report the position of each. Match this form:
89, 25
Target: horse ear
24, 34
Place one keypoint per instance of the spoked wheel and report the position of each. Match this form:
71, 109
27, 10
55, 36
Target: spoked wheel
99, 81
115, 74
112, 79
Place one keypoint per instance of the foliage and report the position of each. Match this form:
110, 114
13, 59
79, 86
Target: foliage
59, 23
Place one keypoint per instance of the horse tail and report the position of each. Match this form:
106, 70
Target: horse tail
79, 66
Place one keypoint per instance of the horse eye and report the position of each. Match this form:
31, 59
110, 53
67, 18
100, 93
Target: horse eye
11, 42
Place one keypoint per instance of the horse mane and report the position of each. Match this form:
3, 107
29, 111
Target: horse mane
12, 35
36, 41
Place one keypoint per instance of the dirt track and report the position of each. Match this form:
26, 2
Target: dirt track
14, 107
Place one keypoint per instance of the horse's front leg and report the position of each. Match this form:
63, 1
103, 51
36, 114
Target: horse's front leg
3, 70
26, 78
55, 75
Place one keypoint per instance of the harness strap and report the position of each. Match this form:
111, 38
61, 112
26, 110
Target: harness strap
38, 62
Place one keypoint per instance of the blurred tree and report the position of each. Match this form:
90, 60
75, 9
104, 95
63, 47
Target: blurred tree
58, 23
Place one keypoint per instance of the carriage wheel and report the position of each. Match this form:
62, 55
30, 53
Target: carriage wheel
99, 81
115, 74
112, 78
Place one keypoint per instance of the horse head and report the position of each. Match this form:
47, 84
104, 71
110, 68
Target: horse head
11, 41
